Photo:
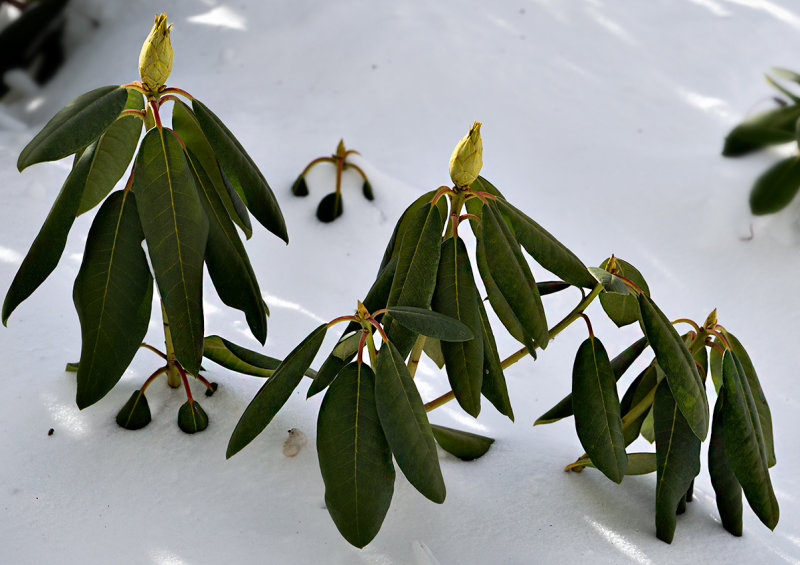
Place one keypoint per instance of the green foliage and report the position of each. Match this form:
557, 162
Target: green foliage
186, 192
331, 205
776, 187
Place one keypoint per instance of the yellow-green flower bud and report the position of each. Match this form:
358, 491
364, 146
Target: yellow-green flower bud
155, 60
467, 158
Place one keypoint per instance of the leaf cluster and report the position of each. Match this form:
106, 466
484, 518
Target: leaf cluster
778, 185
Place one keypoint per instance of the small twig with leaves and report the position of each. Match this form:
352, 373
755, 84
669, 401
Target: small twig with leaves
330, 207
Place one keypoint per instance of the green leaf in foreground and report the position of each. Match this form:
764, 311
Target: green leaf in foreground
405, 423
493, 386
774, 189
243, 173
619, 365
678, 364
723, 480
430, 323
457, 297
464, 445
113, 285
354, 456
112, 155
678, 454
275, 392
75, 126
744, 442
176, 229
596, 406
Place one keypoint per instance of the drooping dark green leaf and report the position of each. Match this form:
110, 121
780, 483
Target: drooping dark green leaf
405, 423
46, 250
546, 249
760, 400
623, 309
498, 302
75, 126
744, 441
774, 189
354, 456
192, 418
596, 406
112, 155
493, 386
723, 480
430, 323
243, 173
330, 207
366, 189
393, 246
678, 455
456, 296
464, 445
640, 390
221, 351
415, 276
678, 364
113, 295
300, 188
176, 230
136, 413
512, 275
226, 258
715, 364
275, 392
619, 365
185, 124
771, 127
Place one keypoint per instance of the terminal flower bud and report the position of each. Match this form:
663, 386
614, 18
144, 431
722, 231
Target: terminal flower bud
155, 59
467, 158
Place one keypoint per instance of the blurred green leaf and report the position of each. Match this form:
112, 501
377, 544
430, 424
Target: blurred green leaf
275, 392
300, 188
330, 207
771, 127
354, 456
405, 423
774, 189
113, 295
75, 126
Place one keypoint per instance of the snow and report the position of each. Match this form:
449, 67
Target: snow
602, 120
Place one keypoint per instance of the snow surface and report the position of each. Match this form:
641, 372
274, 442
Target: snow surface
602, 120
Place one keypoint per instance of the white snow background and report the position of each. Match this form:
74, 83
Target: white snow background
601, 120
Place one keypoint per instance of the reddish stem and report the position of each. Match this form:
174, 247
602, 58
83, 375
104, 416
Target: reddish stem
361, 343
588, 324
342, 319
154, 107
185, 382
378, 327
152, 377
441, 192
180, 91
